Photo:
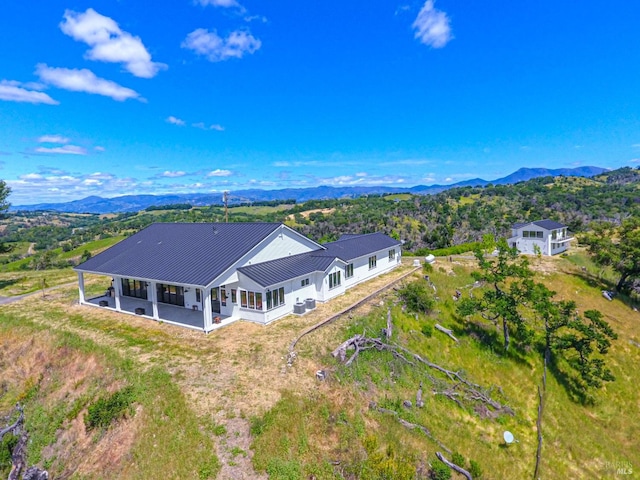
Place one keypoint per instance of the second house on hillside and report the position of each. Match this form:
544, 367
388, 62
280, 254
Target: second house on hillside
205, 275
546, 237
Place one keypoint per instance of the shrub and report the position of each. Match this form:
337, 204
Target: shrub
427, 330
458, 459
107, 409
439, 471
7, 445
417, 297
474, 469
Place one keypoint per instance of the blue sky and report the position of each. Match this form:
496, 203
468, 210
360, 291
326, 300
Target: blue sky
191, 96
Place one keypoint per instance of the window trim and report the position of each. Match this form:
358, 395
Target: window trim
348, 271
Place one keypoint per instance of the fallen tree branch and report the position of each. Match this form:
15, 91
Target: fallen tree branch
446, 331
291, 356
16, 425
19, 451
409, 425
459, 388
453, 466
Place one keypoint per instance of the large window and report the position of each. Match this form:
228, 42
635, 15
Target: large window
275, 298
532, 234
134, 288
243, 299
373, 262
392, 254
348, 271
334, 279
252, 300
171, 294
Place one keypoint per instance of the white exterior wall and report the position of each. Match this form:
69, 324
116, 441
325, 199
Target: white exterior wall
190, 298
293, 292
323, 291
361, 271
527, 245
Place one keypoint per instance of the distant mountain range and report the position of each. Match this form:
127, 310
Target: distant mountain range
135, 203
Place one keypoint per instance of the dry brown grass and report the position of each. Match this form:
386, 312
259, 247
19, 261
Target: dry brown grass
227, 376
62, 374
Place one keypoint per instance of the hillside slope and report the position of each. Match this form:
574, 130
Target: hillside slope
229, 399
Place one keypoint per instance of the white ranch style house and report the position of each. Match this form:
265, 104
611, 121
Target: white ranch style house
551, 238
206, 275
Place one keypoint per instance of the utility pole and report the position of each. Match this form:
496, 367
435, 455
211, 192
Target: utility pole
225, 200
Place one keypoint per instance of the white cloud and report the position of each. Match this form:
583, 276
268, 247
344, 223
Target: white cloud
175, 120
109, 43
220, 173
432, 26
65, 150
53, 139
176, 174
216, 48
98, 148
202, 126
221, 3
12, 91
635, 160
84, 81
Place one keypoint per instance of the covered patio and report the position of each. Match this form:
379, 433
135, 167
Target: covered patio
174, 315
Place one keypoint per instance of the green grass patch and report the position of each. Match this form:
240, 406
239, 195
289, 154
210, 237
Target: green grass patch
94, 247
106, 410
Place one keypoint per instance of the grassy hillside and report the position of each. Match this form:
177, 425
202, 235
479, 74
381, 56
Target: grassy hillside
226, 403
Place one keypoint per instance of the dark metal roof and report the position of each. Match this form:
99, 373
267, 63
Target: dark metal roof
549, 224
287, 268
546, 224
184, 253
347, 249
353, 247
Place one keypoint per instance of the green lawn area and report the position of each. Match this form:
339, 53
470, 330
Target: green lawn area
94, 247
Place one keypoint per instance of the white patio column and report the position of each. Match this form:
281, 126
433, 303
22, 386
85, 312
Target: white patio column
117, 291
207, 315
81, 299
152, 294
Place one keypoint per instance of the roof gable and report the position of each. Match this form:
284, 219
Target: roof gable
287, 268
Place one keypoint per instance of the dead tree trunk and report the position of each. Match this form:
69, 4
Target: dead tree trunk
19, 452
505, 331
454, 387
446, 331
419, 402
409, 425
388, 332
453, 466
